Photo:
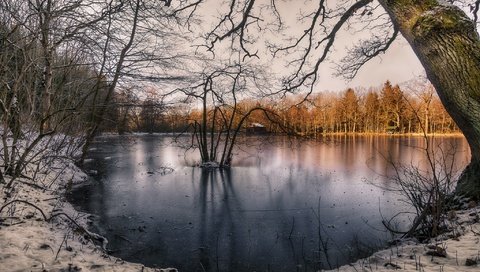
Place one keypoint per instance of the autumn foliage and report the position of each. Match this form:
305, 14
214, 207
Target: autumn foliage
387, 109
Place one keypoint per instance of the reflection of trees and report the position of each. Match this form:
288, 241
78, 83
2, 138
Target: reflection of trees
213, 183
223, 204
227, 228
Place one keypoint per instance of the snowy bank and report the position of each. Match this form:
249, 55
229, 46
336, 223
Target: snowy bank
458, 250
40, 231
60, 243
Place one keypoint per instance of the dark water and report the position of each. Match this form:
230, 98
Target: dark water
284, 206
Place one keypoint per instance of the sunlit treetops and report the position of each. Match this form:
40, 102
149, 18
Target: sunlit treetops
386, 109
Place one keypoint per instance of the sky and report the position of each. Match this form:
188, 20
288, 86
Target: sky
398, 64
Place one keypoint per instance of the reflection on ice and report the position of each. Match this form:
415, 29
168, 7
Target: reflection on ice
281, 209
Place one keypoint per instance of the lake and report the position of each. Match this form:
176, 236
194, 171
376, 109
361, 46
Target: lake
285, 205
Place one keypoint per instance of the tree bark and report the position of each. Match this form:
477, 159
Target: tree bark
448, 46
47, 59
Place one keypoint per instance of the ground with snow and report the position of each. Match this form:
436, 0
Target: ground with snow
29, 243
458, 250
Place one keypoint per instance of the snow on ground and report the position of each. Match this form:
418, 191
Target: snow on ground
458, 250
29, 243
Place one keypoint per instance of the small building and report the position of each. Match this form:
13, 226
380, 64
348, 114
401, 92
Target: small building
392, 128
256, 128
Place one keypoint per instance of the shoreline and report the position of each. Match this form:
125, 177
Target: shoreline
320, 135
30, 243
455, 251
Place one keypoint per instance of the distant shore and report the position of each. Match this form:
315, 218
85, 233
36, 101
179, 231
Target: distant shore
413, 134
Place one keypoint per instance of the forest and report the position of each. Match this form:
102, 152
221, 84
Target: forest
385, 109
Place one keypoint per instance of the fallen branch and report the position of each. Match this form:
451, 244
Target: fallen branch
60, 247
92, 236
27, 203
418, 221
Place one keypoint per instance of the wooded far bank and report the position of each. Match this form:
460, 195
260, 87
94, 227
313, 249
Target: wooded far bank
387, 109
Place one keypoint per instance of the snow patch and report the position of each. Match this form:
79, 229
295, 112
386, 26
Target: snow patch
458, 250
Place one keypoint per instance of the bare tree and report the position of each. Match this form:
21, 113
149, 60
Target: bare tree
222, 117
138, 43
428, 26
42, 57
61, 63
426, 188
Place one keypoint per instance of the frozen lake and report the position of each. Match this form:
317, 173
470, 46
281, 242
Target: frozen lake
285, 205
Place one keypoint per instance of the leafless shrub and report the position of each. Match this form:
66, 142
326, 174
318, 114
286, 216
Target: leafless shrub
427, 187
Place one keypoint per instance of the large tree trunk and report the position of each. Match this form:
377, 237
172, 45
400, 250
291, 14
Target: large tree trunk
448, 46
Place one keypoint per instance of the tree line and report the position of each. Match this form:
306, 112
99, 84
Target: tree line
386, 109
61, 63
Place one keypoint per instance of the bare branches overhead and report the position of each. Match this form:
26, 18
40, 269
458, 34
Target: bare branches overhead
363, 52
314, 45
258, 27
